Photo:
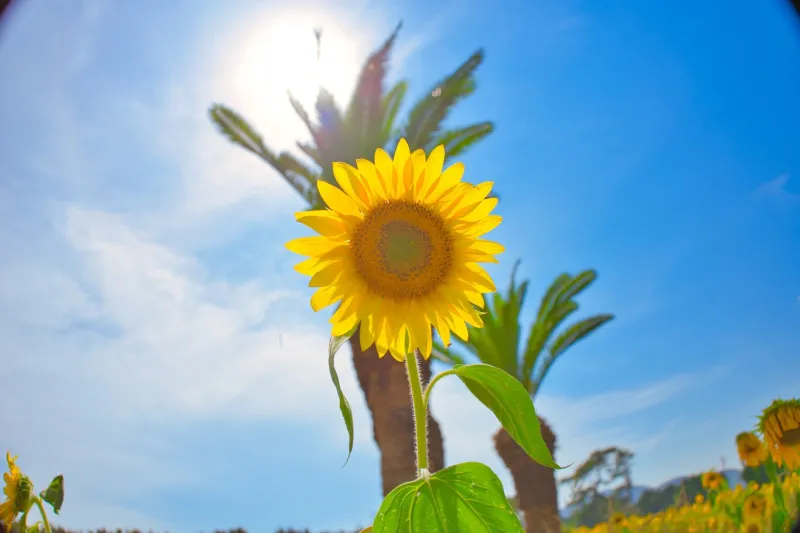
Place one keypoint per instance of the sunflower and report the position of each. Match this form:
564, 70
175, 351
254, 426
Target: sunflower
399, 248
618, 520
751, 450
712, 480
754, 505
18, 490
780, 425
753, 527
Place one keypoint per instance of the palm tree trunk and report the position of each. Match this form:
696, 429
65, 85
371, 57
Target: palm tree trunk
537, 492
385, 387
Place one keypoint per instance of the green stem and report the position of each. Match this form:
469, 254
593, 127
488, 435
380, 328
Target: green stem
44, 515
777, 490
420, 412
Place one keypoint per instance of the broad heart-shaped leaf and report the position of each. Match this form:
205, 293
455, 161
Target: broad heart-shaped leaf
505, 396
54, 494
347, 413
466, 497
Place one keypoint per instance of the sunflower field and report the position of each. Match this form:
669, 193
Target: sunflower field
771, 507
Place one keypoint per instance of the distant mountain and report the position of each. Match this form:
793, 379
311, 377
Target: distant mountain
733, 476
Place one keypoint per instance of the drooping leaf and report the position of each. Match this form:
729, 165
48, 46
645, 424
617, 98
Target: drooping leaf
465, 497
505, 396
459, 140
54, 493
344, 406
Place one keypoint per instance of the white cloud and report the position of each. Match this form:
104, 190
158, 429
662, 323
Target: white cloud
778, 190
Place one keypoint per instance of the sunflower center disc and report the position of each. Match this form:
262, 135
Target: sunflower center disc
791, 437
402, 250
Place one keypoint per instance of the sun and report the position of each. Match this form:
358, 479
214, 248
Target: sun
277, 53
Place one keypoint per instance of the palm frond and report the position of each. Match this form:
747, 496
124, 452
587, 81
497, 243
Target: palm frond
365, 113
576, 332
427, 116
240, 132
391, 105
461, 139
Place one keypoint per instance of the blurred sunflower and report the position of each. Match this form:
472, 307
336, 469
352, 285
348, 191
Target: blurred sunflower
712, 480
754, 505
400, 248
780, 425
753, 527
752, 451
617, 520
18, 490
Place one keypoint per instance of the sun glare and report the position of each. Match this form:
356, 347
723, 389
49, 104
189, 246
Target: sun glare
278, 54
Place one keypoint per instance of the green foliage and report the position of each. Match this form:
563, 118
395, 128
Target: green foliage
498, 342
510, 403
463, 497
344, 406
368, 123
656, 500
54, 493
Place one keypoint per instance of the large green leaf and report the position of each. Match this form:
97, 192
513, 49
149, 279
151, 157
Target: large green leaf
344, 406
466, 497
505, 396
54, 493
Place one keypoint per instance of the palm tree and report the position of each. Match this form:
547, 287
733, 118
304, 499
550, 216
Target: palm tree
498, 344
369, 122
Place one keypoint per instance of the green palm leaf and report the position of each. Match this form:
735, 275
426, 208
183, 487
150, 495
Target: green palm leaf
427, 116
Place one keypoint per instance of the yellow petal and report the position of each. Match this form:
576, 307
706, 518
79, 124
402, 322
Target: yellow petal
337, 200
365, 336
326, 223
325, 297
401, 156
481, 210
349, 179
374, 184
385, 167
488, 247
328, 275
483, 227
344, 326
316, 245
477, 278
420, 330
449, 179
309, 266
433, 170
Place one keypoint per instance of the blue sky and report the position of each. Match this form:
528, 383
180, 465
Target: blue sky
160, 352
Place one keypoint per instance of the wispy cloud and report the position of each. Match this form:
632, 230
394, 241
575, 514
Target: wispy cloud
777, 189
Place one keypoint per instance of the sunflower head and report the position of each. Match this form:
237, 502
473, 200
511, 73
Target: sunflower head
399, 249
18, 491
780, 425
755, 505
753, 527
712, 480
617, 519
751, 450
